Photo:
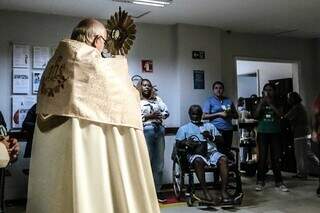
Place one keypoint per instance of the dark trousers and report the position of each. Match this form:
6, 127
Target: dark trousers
272, 141
225, 145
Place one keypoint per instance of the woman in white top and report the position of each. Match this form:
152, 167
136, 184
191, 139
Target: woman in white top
153, 112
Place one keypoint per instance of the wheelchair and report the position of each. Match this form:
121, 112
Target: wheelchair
181, 168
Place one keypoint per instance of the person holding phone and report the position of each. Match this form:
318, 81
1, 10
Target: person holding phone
154, 111
268, 116
220, 111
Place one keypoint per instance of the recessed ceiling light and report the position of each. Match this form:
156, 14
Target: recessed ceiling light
148, 3
156, 3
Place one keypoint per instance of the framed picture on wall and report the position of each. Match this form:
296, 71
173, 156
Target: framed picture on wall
20, 81
20, 56
147, 65
198, 79
36, 77
20, 106
41, 56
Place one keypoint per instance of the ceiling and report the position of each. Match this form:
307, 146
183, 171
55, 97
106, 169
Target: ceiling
296, 18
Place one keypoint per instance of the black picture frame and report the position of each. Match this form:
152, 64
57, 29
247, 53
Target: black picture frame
198, 79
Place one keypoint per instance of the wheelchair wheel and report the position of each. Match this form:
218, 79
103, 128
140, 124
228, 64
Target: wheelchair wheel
234, 186
178, 179
190, 201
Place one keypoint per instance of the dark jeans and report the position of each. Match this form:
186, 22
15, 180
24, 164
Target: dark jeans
272, 140
154, 135
225, 145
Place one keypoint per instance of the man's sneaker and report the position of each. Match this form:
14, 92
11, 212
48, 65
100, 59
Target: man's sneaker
282, 187
259, 187
161, 198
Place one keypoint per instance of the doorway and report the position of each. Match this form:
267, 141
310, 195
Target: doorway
253, 74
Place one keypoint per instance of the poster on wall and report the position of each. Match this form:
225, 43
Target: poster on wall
41, 56
20, 81
21, 56
36, 77
147, 65
20, 107
198, 79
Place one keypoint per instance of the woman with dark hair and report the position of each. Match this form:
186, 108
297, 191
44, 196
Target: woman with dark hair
268, 116
298, 119
220, 110
28, 127
153, 112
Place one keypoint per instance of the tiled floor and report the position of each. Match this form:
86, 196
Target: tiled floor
300, 199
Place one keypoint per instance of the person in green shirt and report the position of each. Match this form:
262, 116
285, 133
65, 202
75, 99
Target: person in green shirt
268, 116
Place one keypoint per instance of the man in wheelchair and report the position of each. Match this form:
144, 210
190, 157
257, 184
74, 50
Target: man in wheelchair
198, 138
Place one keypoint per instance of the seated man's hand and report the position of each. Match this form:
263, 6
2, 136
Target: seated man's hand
186, 142
190, 143
207, 135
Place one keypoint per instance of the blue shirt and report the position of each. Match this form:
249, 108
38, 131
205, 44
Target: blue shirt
191, 129
213, 105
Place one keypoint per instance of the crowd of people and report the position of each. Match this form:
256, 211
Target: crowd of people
98, 143
219, 111
270, 114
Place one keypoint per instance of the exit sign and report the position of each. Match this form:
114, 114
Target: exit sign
198, 54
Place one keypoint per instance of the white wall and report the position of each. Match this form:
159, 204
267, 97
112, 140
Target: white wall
247, 85
190, 38
157, 42
267, 71
237, 45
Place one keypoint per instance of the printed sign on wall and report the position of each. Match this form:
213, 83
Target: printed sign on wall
198, 79
147, 65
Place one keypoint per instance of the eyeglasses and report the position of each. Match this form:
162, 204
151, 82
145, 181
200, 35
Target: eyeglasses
104, 40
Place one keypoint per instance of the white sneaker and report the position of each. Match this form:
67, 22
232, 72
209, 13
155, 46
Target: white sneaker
259, 187
282, 187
